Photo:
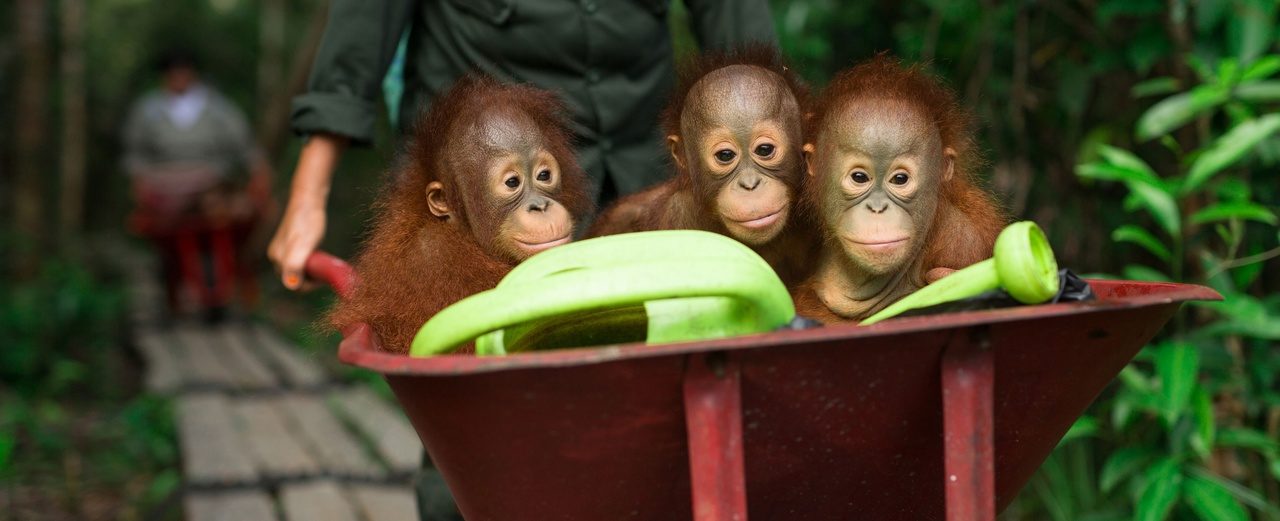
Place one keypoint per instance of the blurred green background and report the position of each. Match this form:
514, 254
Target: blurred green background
1141, 134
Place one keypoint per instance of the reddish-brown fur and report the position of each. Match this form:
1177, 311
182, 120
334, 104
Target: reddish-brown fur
964, 229
676, 203
414, 264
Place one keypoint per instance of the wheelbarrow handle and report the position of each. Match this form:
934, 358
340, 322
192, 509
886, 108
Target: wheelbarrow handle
333, 271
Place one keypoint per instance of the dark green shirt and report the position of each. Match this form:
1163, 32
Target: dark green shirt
610, 61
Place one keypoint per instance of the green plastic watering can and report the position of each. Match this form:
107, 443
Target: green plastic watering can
656, 287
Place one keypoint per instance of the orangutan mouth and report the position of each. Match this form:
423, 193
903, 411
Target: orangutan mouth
539, 246
880, 245
761, 222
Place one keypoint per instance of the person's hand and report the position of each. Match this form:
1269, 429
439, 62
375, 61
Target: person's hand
300, 232
302, 226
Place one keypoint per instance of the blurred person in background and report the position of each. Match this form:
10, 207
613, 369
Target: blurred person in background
185, 150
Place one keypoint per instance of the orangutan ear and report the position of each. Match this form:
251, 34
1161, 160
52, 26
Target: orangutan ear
673, 143
949, 169
435, 200
807, 151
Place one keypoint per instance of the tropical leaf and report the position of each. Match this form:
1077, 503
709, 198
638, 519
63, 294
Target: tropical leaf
1261, 68
1122, 464
1140, 236
1175, 111
1250, 31
1140, 272
1155, 87
1178, 365
1246, 438
1258, 91
1126, 159
1161, 205
1164, 481
1235, 210
1082, 428
1211, 501
1245, 494
1202, 412
1233, 146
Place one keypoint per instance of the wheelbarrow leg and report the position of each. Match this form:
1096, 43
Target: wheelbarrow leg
968, 376
713, 419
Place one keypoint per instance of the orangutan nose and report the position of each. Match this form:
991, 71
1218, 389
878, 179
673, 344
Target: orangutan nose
750, 182
539, 204
878, 206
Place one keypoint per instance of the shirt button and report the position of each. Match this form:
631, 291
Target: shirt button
593, 75
590, 6
606, 145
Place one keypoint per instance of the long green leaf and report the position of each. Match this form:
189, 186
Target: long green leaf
1164, 481
1137, 235
1230, 148
1258, 91
1155, 87
1140, 272
1126, 159
1235, 210
1261, 68
1178, 365
1161, 205
1122, 464
1175, 111
1112, 172
1211, 502
1253, 29
1084, 427
1246, 438
1245, 494
1202, 438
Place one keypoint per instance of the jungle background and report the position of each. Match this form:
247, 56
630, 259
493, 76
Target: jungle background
1141, 134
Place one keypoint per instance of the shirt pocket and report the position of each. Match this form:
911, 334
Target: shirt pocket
496, 12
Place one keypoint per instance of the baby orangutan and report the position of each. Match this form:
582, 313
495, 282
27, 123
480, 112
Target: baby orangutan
734, 132
890, 154
489, 180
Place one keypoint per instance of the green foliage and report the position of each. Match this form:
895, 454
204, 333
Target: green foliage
1171, 446
64, 394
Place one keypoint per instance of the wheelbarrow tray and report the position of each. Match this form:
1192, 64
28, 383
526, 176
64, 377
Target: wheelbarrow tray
839, 422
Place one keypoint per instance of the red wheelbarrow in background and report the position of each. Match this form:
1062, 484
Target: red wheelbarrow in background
931, 417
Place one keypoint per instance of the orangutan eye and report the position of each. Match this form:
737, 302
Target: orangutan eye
860, 177
725, 156
544, 175
899, 178
764, 150
512, 182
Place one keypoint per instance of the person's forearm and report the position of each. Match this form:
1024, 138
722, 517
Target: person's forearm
302, 227
314, 174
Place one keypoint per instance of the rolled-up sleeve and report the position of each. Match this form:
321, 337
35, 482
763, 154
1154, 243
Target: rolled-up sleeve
720, 24
358, 45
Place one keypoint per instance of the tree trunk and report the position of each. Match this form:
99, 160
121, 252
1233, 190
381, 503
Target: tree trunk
74, 123
273, 128
271, 36
30, 124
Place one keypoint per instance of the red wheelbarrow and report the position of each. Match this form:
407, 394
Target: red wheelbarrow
929, 417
